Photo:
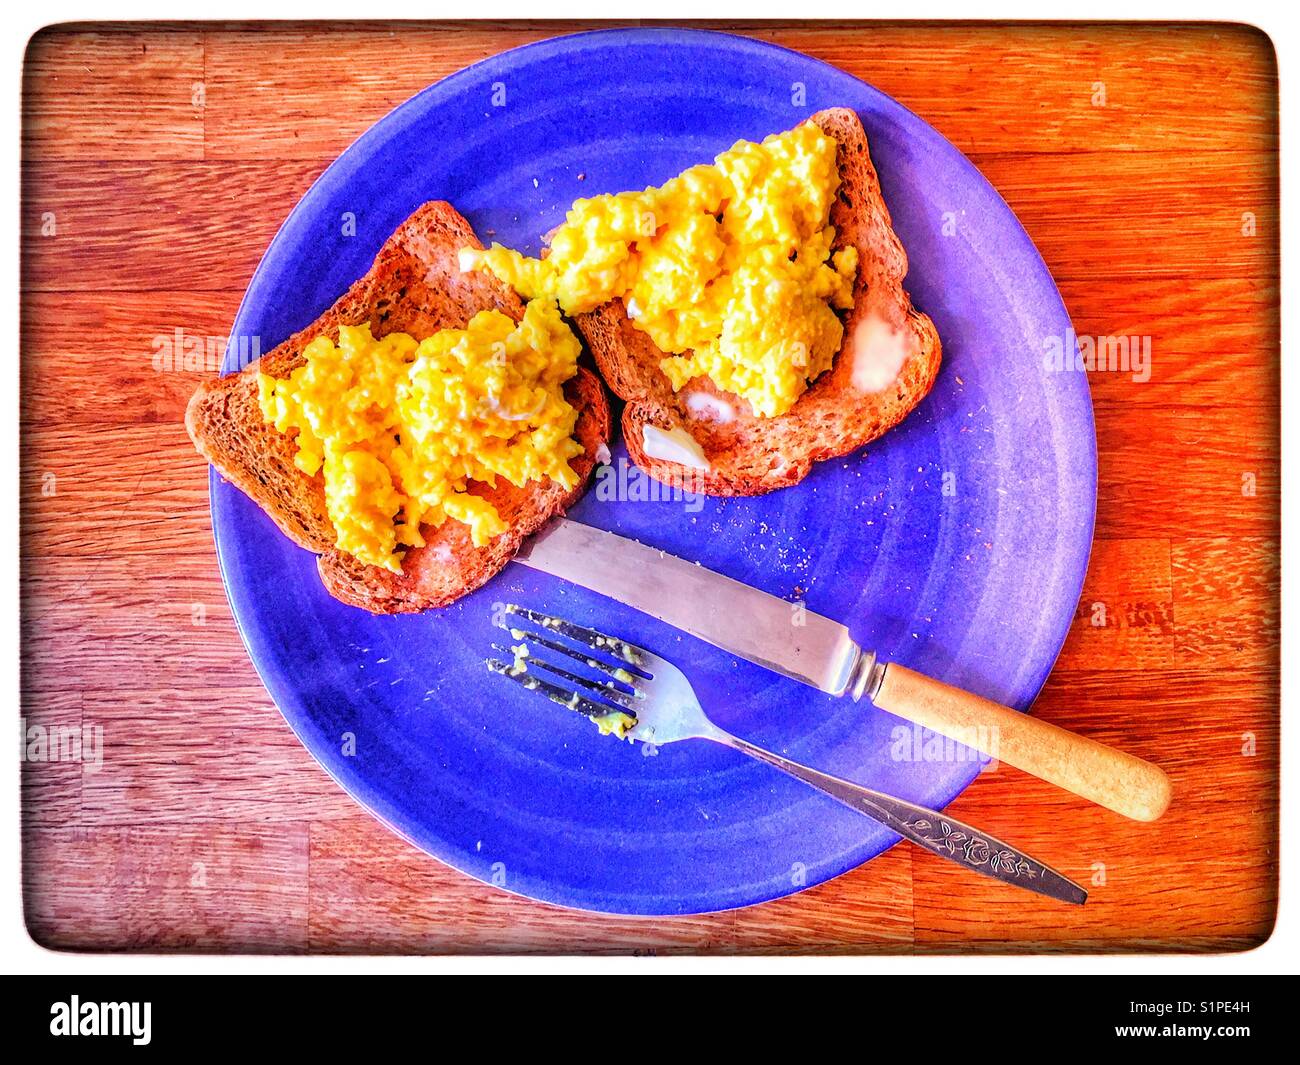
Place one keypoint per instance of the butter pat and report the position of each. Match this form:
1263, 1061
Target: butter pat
676, 445
879, 351
707, 407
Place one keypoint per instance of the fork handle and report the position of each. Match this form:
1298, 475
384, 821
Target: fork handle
1113, 779
934, 831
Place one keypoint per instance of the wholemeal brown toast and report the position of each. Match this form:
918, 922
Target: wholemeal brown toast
414, 286
746, 454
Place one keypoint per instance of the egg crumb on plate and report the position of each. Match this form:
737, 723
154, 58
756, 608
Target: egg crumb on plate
399, 427
728, 268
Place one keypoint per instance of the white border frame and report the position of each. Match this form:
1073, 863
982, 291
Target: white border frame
21, 955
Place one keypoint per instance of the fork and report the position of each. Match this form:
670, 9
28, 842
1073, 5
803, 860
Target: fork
644, 697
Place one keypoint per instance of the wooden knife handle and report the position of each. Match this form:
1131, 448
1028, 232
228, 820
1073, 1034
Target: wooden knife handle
1101, 774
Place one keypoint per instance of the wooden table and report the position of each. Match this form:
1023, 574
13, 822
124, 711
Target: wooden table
158, 162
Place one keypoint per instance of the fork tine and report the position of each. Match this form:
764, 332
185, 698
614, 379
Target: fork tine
617, 672
597, 641
607, 690
571, 699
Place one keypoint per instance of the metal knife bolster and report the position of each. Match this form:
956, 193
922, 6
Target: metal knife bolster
774, 633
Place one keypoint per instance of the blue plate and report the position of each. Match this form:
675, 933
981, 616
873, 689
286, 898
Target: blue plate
957, 544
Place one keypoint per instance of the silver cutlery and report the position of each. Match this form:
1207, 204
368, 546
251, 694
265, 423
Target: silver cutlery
820, 652
635, 692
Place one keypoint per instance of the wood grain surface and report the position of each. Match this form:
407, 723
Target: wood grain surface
158, 162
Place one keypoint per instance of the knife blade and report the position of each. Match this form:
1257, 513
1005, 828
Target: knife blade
774, 633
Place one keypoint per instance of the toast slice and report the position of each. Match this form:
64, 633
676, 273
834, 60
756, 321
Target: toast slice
414, 286
852, 403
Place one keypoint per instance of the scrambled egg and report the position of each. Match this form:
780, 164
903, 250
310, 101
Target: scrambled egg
730, 262
399, 427
615, 723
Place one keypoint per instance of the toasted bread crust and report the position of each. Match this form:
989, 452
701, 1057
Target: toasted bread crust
749, 455
414, 286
